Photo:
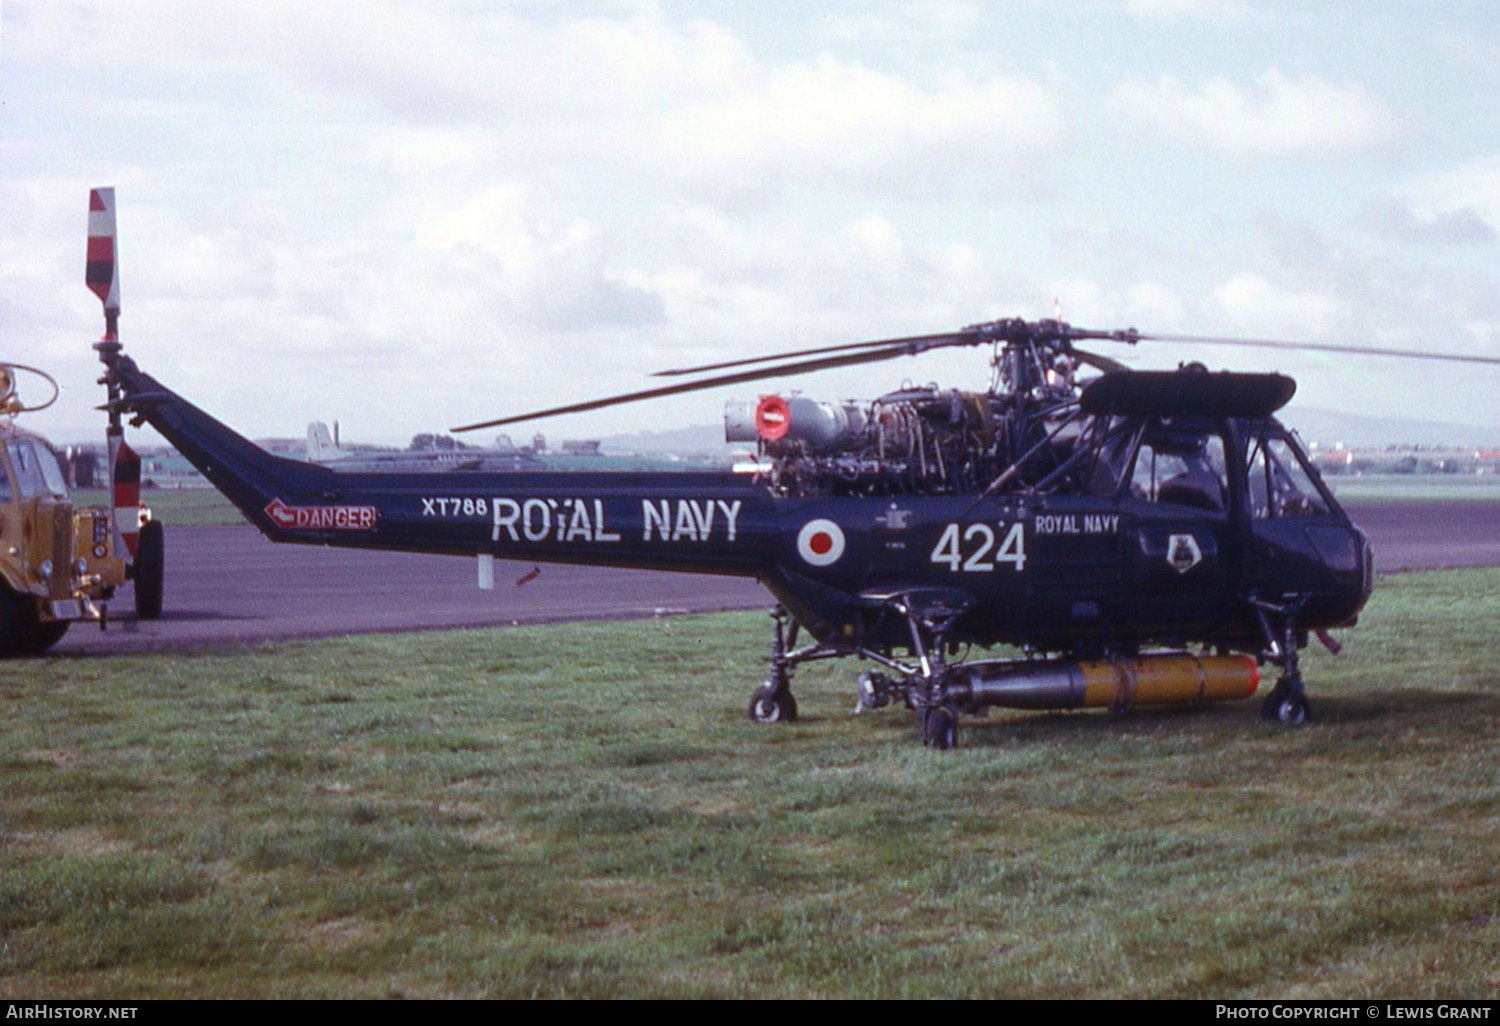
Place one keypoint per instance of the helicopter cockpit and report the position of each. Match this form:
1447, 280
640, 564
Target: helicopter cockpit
1181, 464
1184, 461
1280, 483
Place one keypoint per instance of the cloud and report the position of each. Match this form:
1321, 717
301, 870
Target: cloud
432, 62
1395, 219
905, 22
1195, 10
1280, 117
1253, 305
414, 211
448, 88
829, 122
1460, 195
546, 275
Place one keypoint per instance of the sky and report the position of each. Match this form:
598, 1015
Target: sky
408, 216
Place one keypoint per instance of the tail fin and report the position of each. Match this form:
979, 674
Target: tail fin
321, 448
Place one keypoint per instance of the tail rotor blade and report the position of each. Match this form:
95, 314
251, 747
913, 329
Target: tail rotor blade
102, 269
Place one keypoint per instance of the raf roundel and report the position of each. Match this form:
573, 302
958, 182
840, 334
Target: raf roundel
820, 542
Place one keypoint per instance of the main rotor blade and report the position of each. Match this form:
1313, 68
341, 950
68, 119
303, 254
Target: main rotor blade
798, 367
1318, 347
1003, 331
1094, 360
914, 344
1007, 331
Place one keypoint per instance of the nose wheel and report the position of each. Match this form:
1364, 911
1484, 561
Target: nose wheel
940, 727
1287, 702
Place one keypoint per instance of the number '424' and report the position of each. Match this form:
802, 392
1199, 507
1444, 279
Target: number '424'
977, 548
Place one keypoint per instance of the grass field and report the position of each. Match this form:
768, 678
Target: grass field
193, 507
584, 810
1415, 487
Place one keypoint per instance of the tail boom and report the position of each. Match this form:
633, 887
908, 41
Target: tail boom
716, 523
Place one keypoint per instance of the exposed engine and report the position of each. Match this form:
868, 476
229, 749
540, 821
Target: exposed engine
919, 441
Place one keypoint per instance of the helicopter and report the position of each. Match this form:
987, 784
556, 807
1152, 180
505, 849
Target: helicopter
1142, 537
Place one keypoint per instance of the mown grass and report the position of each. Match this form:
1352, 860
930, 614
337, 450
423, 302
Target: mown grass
584, 810
1368, 488
192, 507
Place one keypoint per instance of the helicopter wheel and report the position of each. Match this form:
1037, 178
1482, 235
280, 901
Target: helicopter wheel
770, 705
940, 727
1286, 705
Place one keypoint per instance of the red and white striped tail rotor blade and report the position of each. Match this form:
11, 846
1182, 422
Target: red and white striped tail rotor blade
102, 272
125, 494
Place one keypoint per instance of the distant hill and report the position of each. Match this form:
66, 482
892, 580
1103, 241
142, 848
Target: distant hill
1330, 427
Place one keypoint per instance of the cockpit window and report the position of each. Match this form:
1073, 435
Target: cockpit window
1280, 485
36, 469
1187, 470
52, 473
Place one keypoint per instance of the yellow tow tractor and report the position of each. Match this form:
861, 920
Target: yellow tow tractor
60, 564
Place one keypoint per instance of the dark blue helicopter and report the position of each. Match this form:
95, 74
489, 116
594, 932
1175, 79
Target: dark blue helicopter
1144, 537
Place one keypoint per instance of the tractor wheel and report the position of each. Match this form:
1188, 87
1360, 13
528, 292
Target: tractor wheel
44, 636
22, 633
150, 567
16, 622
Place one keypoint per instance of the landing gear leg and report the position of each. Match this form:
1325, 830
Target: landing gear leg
929, 626
1287, 701
773, 701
